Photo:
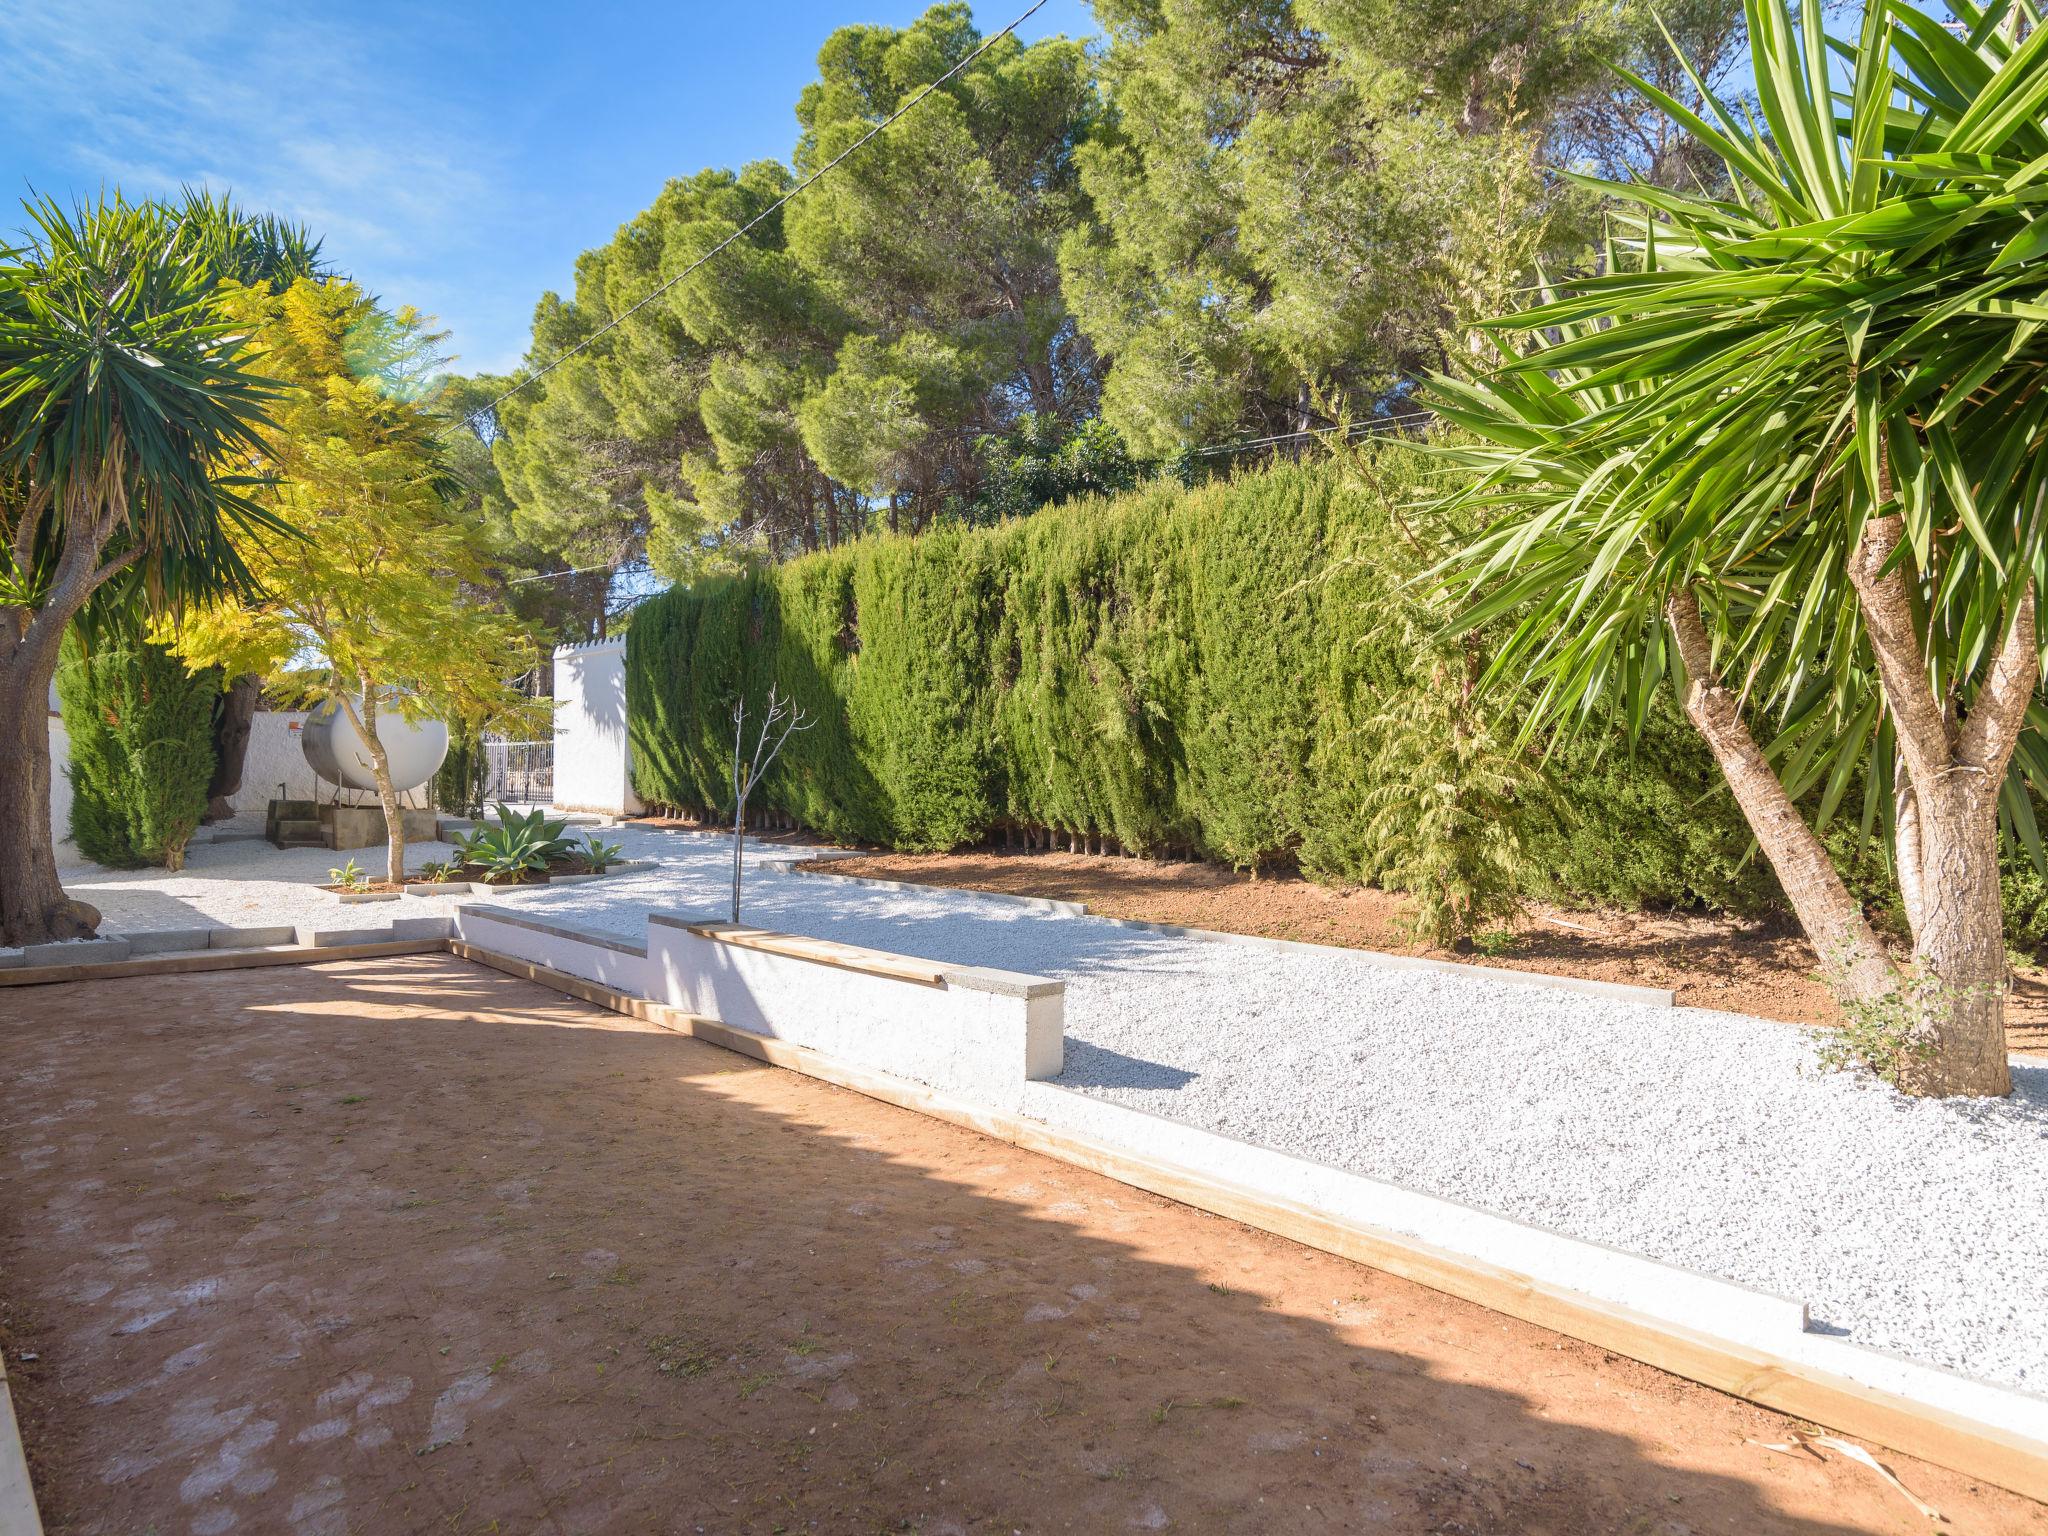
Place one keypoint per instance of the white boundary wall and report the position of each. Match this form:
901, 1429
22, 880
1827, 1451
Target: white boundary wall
593, 763
275, 758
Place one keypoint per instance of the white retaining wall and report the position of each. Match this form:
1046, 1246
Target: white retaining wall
593, 763
974, 1031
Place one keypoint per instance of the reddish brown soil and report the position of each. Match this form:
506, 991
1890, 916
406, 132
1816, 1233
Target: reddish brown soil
406, 1246
1710, 962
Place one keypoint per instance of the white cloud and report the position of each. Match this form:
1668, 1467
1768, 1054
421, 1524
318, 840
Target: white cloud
337, 127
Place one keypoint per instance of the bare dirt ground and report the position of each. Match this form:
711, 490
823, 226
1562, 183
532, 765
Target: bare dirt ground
1710, 962
409, 1246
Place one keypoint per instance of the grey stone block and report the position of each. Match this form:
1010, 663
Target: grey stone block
75, 952
422, 927
328, 938
9, 957
250, 938
161, 941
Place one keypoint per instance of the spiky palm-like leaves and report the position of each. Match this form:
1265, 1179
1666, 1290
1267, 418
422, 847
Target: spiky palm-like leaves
123, 396
1794, 433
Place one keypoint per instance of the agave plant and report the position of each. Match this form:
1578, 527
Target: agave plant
602, 855
519, 843
1784, 449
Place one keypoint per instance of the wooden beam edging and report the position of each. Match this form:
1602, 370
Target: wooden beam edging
2010, 1461
18, 1514
845, 957
184, 962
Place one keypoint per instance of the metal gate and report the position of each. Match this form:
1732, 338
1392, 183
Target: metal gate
520, 772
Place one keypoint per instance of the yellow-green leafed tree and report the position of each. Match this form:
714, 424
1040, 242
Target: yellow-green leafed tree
372, 606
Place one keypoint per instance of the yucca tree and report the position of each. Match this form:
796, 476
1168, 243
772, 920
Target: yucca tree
1784, 450
122, 396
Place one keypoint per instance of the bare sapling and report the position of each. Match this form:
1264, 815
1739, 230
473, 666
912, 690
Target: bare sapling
782, 720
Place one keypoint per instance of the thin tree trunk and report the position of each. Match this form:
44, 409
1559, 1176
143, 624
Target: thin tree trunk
380, 770
1848, 948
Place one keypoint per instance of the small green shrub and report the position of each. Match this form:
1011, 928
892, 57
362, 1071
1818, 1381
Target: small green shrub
1890, 1033
439, 871
141, 747
350, 877
602, 855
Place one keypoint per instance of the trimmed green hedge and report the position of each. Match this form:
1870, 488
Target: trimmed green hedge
1231, 671
142, 755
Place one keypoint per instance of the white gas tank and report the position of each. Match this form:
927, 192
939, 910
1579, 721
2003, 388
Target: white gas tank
336, 751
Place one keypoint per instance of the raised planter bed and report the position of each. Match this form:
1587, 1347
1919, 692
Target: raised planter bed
467, 886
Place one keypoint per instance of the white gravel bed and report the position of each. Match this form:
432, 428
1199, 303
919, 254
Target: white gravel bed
1702, 1139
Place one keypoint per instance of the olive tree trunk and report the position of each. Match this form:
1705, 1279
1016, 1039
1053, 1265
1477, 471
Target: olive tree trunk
232, 724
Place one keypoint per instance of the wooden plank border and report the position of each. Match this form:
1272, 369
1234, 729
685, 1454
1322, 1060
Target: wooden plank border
2010, 1461
185, 962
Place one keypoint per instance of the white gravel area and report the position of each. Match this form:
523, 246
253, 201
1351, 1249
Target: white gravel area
1703, 1139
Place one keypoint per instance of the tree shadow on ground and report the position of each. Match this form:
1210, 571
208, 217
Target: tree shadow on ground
406, 1245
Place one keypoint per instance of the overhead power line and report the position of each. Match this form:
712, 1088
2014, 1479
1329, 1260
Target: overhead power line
580, 570
1383, 426
809, 181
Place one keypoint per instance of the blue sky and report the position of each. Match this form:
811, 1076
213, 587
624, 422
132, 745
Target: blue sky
455, 157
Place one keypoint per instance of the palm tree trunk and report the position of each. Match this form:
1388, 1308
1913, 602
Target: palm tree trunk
1850, 951
1947, 843
33, 907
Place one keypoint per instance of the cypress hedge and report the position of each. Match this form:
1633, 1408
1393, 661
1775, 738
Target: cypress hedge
142, 753
1234, 672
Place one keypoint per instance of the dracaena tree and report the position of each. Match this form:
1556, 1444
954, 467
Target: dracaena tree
123, 397
1785, 451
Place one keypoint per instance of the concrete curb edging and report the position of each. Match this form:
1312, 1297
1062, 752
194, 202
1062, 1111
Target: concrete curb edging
1618, 991
1753, 1348
18, 1514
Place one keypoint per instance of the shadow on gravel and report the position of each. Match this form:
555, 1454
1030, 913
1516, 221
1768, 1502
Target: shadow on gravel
1095, 1066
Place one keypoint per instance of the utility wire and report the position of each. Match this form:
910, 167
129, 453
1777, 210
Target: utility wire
810, 180
579, 570
1384, 426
